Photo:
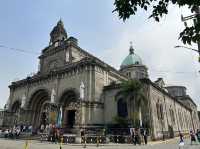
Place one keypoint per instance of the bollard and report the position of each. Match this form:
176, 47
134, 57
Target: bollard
61, 141
117, 139
67, 140
41, 138
26, 145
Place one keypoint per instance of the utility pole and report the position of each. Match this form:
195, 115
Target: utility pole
196, 19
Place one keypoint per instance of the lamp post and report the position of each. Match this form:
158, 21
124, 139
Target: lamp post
198, 51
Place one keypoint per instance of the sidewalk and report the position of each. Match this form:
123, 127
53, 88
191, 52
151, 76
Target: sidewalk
150, 143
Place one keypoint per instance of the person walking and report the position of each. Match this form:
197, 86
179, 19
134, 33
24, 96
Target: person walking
192, 136
132, 132
181, 142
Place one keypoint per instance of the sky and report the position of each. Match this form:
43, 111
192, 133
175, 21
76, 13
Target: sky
26, 25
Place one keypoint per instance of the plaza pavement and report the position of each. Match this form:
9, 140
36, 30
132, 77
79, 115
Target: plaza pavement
20, 144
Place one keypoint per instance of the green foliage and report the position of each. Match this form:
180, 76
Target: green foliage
133, 89
126, 8
132, 85
123, 122
135, 121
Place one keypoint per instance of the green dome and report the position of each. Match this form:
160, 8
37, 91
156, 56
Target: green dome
132, 59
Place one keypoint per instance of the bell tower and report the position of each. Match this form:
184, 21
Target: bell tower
58, 34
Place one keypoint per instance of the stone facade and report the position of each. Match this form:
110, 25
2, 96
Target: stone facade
86, 91
163, 113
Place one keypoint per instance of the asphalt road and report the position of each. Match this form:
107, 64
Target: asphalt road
20, 144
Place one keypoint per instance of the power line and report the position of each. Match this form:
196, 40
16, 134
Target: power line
151, 70
19, 50
175, 72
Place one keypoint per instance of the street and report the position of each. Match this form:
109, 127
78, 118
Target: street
20, 144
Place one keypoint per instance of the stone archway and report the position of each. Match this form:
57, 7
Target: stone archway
135, 110
39, 106
70, 108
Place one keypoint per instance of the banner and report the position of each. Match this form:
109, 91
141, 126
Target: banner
59, 118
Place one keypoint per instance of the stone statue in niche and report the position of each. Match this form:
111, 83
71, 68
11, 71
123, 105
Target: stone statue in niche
67, 56
53, 95
82, 91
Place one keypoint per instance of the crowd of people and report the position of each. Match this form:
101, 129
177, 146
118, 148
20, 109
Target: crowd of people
15, 131
50, 132
194, 137
139, 135
54, 134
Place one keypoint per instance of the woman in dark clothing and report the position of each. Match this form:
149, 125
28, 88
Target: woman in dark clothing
145, 135
192, 135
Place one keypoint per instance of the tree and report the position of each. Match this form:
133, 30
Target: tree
126, 8
132, 90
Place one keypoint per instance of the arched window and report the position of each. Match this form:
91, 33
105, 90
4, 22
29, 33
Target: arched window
172, 115
122, 108
160, 112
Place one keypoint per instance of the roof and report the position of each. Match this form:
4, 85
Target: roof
148, 81
131, 59
175, 86
67, 68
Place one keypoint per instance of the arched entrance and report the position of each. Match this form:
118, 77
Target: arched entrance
70, 108
40, 108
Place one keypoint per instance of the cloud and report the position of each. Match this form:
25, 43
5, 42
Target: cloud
155, 42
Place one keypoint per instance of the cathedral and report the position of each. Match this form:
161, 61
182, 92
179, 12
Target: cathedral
75, 89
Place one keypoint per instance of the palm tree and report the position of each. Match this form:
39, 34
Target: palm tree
132, 92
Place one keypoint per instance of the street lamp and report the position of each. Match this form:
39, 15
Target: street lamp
198, 51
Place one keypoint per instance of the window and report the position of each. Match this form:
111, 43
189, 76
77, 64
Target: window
159, 108
180, 119
128, 74
122, 108
56, 44
171, 111
67, 56
161, 112
52, 65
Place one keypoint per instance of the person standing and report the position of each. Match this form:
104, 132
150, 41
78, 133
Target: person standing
134, 136
198, 135
42, 128
145, 136
137, 136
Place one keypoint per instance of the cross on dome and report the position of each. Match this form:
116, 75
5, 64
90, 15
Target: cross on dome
131, 50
